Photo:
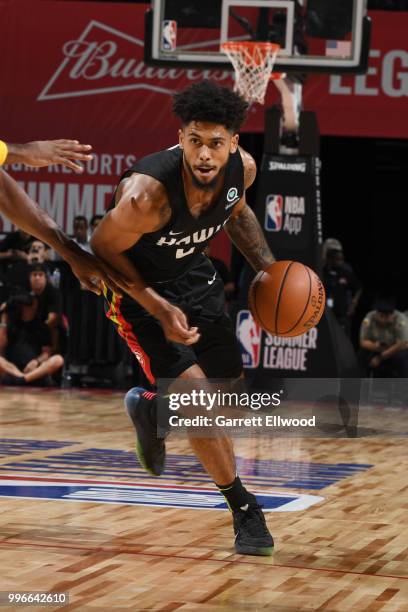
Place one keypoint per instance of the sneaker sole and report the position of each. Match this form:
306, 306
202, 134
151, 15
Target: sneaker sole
142, 460
253, 550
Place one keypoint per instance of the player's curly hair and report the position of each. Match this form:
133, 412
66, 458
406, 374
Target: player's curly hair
208, 101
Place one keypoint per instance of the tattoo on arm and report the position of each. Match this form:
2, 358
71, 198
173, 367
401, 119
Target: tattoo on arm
247, 235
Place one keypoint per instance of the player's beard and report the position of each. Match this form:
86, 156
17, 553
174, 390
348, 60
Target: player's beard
212, 185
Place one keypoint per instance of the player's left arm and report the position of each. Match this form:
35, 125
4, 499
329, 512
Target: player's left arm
243, 227
40, 153
28, 216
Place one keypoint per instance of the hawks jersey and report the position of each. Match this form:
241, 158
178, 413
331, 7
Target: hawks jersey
169, 252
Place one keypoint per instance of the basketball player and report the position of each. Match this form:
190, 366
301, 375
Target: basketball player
166, 209
28, 216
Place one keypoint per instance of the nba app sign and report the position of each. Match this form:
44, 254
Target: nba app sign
284, 213
249, 335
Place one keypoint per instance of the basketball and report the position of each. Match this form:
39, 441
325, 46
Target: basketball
287, 299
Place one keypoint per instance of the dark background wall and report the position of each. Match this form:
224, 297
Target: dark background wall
364, 202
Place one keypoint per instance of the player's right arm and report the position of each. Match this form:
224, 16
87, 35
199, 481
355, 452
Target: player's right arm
141, 207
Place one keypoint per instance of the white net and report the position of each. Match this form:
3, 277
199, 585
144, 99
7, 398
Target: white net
253, 63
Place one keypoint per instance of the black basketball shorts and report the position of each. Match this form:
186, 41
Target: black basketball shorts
200, 295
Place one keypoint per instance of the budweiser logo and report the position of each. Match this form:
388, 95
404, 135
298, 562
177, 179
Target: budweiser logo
105, 60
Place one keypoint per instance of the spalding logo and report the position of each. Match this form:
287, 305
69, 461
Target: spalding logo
318, 303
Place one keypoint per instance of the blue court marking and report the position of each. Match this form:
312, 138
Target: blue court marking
13, 446
188, 498
123, 464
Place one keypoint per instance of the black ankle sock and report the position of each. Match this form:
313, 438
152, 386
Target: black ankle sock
236, 494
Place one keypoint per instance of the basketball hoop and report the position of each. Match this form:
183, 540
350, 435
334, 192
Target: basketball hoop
253, 63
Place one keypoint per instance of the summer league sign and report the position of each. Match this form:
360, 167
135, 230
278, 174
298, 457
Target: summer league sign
322, 352
288, 209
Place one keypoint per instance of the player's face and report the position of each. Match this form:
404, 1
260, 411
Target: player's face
206, 147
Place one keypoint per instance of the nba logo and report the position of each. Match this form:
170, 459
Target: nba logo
273, 213
249, 336
169, 35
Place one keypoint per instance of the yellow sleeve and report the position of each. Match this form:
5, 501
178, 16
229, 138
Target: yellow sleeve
3, 152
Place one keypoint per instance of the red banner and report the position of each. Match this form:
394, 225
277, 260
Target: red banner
76, 70
372, 104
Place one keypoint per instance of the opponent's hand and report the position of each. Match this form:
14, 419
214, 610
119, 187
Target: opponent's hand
92, 272
41, 153
176, 327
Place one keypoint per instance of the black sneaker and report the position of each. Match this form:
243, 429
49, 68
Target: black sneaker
251, 533
141, 406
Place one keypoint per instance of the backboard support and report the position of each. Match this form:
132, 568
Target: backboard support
330, 36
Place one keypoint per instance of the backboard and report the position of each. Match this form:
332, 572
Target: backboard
315, 35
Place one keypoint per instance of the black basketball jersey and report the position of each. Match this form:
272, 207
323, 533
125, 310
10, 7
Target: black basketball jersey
168, 253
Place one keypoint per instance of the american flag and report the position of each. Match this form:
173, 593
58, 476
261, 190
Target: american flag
338, 48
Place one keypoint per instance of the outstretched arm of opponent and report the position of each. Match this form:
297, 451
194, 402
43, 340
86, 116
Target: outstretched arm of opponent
141, 208
243, 227
28, 216
40, 153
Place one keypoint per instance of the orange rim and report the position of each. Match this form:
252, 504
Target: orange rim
256, 52
250, 46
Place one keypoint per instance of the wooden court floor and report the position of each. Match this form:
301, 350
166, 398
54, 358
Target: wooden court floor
349, 551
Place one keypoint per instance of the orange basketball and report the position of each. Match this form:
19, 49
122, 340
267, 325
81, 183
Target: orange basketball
287, 299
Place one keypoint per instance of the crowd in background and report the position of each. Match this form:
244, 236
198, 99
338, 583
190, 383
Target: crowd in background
38, 308
33, 311
382, 344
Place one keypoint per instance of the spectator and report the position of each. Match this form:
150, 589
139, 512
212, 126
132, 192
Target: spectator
25, 344
81, 233
49, 302
384, 341
39, 252
14, 247
330, 243
96, 219
343, 289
